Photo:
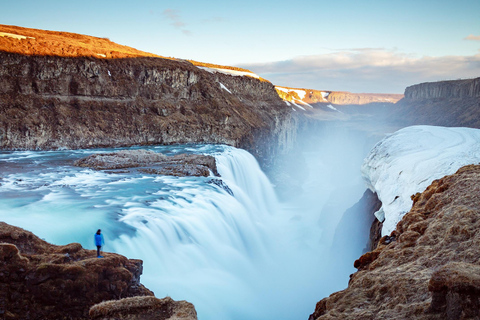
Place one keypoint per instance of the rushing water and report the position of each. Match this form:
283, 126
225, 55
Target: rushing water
236, 252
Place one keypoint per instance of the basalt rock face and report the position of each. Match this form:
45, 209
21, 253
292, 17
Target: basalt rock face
469, 88
445, 103
428, 268
43, 281
51, 102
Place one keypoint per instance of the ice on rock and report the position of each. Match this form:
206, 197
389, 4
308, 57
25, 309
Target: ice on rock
407, 161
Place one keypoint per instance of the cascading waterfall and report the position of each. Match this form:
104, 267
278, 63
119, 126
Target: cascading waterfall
229, 247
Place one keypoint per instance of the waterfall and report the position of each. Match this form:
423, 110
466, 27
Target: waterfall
227, 244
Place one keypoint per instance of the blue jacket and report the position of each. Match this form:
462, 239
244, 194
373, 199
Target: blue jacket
99, 239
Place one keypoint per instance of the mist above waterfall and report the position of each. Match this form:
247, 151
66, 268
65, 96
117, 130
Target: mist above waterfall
236, 252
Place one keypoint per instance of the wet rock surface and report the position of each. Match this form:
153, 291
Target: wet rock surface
152, 162
39, 280
428, 268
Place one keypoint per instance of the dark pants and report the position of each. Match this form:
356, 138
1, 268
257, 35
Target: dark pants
98, 250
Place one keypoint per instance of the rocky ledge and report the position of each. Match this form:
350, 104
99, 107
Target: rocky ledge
152, 162
428, 268
144, 308
39, 280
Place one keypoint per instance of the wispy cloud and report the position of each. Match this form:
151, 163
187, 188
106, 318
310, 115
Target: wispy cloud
176, 21
472, 37
366, 70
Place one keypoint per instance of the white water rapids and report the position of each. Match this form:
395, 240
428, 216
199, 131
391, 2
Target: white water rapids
243, 256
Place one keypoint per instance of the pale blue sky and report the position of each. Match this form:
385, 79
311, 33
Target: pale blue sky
374, 46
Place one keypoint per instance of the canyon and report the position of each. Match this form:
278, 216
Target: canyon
65, 91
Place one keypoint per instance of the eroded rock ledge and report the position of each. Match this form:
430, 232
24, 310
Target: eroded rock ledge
428, 268
144, 308
152, 162
39, 280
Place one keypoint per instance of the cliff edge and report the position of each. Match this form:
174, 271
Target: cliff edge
39, 280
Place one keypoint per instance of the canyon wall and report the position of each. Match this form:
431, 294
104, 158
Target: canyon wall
468, 88
51, 102
445, 103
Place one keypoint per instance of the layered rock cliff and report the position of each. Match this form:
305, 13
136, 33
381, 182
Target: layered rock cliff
445, 103
428, 267
468, 88
51, 101
39, 280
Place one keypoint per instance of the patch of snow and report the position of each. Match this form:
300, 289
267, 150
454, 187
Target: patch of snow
332, 107
324, 95
288, 103
407, 162
15, 36
109, 73
301, 93
102, 55
296, 105
237, 73
294, 109
304, 103
224, 88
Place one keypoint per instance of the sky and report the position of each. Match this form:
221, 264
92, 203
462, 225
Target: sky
339, 45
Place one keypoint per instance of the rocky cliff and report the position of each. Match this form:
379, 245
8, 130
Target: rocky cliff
50, 101
445, 103
428, 267
39, 280
469, 88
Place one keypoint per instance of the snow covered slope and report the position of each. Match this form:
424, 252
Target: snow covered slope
407, 161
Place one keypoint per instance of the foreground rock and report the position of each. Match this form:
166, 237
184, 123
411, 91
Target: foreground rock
39, 280
428, 268
157, 163
144, 308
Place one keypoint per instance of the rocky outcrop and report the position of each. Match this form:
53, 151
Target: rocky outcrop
428, 267
51, 102
152, 162
39, 280
445, 103
143, 308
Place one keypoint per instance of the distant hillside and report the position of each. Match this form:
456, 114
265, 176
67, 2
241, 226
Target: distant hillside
328, 105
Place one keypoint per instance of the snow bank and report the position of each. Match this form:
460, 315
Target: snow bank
15, 36
231, 72
407, 162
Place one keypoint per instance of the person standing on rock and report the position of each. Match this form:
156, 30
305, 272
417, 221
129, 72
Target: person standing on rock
99, 242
